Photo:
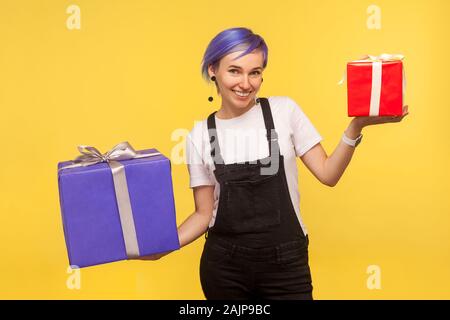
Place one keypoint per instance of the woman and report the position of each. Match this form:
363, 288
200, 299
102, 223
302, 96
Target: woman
242, 165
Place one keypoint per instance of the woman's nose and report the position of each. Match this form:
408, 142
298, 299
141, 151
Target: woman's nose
245, 83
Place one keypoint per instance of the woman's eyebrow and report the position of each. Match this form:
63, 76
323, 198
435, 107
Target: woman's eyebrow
233, 66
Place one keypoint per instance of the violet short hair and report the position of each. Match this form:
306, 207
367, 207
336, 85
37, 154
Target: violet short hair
228, 41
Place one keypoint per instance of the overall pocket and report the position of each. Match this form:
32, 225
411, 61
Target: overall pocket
294, 252
213, 253
253, 205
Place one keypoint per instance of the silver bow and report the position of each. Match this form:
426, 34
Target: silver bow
91, 155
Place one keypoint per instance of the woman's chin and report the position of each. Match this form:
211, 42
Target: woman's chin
242, 101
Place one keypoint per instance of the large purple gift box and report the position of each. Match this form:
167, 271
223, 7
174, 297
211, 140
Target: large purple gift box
91, 211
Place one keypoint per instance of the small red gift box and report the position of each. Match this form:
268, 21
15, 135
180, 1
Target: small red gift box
375, 86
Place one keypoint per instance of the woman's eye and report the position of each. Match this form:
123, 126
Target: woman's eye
254, 72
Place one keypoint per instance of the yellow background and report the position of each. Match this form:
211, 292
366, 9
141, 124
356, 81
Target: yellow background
132, 73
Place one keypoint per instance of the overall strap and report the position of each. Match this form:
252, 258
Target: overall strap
272, 136
214, 140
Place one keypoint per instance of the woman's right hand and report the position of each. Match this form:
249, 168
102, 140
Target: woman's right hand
155, 256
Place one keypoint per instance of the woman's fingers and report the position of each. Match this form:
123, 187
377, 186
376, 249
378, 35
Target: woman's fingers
149, 257
155, 256
405, 110
399, 118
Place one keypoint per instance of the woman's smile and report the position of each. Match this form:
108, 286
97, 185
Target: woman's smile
241, 95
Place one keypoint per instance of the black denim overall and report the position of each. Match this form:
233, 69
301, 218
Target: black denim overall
256, 248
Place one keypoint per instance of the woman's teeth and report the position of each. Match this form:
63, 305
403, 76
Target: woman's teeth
241, 94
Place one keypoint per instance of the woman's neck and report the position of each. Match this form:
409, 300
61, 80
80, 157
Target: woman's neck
228, 112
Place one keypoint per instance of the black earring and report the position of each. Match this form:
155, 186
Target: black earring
210, 99
262, 79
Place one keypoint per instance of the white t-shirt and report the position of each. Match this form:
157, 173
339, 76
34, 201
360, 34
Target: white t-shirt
243, 138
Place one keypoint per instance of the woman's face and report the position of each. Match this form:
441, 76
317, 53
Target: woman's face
239, 80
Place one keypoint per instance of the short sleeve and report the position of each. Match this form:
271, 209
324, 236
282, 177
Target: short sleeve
305, 135
198, 172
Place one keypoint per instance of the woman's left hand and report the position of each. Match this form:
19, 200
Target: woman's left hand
367, 121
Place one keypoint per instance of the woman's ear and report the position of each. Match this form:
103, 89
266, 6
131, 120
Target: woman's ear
211, 71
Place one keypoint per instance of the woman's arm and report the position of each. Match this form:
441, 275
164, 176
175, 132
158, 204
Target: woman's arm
329, 170
197, 223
